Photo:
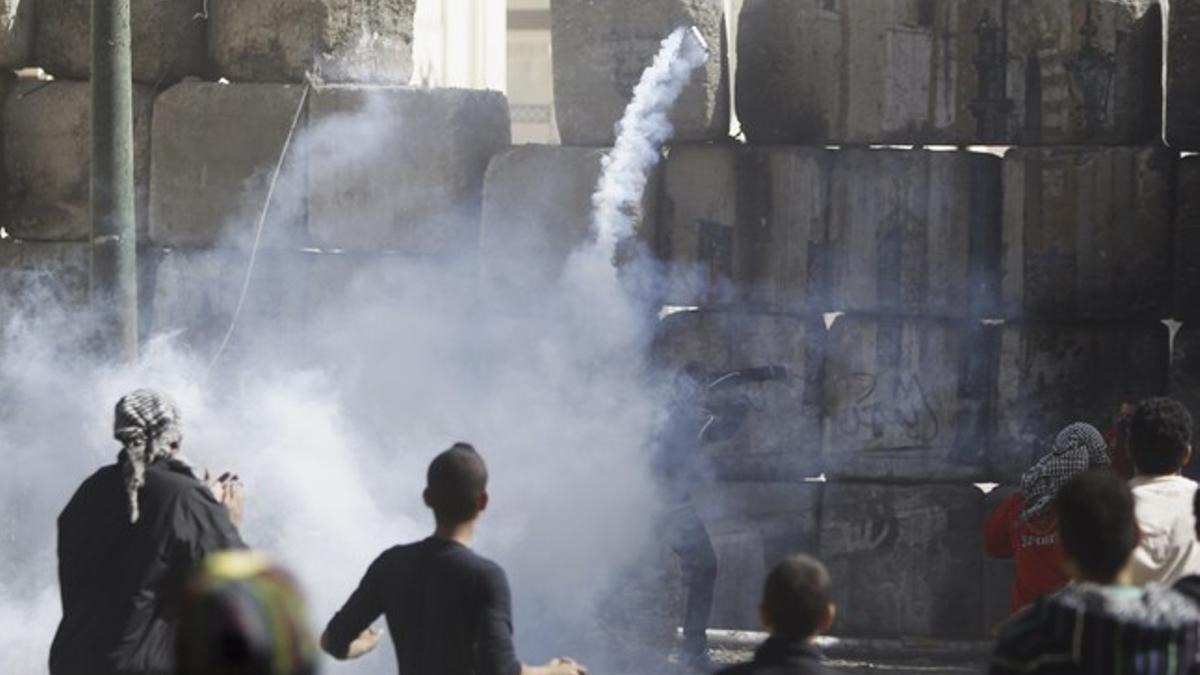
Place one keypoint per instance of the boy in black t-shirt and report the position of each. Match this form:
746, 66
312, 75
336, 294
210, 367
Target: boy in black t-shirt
448, 609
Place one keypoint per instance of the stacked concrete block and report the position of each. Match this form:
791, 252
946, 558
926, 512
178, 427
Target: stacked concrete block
39, 275
745, 225
16, 33
1183, 75
401, 169
914, 233
167, 42
332, 40
1050, 374
1087, 233
195, 294
47, 158
1186, 242
537, 205
601, 49
900, 401
768, 429
755, 525
983, 71
214, 150
906, 560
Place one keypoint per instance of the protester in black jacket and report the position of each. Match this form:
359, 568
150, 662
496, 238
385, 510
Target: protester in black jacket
127, 541
796, 608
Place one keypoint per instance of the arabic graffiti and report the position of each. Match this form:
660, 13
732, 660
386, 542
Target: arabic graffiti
884, 407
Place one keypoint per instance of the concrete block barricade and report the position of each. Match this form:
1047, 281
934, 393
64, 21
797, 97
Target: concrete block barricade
745, 225
195, 293
16, 33
1183, 75
905, 559
601, 49
401, 169
1087, 233
768, 430
914, 233
981, 71
214, 149
1186, 242
47, 158
1052, 374
334, 40
754, 525
167, 38
36, 276
904, 399
537, 206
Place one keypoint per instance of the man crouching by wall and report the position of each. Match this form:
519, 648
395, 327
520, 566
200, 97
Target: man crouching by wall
448, 609
127, 541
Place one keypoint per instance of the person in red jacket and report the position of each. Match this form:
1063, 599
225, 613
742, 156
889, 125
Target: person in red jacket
1024, 526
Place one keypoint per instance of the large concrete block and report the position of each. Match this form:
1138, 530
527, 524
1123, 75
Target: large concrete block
1087, 233
914, 233
537, 209
977, 71
904, 398
754, 526
16, 33
214, 149
1183, 75
770, 429
1185, 280
401, 168
745, 226
195, 294
47, 158
1052, 374
601, 49
905, 560
167, 39
35, 276
335, 40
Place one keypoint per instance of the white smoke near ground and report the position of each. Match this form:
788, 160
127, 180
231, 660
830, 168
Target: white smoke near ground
331, 417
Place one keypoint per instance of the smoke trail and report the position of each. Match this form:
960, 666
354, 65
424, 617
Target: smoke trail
643, 129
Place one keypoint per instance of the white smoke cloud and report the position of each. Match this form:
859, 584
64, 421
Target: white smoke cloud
331, 422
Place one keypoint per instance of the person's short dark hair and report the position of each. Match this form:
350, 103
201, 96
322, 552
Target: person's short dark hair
1159, 435
456, 479
796, 597
1096, 523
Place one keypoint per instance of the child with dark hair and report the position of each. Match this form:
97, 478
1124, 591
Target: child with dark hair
796, 607
449, 610
1101, 623
1160, 445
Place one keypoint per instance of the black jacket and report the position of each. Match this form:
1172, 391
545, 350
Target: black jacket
782, 657
120, 581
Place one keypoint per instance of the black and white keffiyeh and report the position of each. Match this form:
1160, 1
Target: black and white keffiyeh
147, 425
1077, 448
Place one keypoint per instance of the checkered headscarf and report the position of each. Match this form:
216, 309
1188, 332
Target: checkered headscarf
147, 424
1076, 449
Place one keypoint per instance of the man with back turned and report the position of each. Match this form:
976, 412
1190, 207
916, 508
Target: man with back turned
448, 609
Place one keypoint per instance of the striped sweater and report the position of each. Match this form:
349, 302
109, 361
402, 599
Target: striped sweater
1087, 628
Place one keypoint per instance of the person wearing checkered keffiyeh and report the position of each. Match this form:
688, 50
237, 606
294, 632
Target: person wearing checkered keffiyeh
147, 424
116, 584
1023, 526
1076, 449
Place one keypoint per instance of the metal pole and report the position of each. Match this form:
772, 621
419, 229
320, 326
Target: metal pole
114, 230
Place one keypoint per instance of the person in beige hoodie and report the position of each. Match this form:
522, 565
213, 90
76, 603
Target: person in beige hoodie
1160, 445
